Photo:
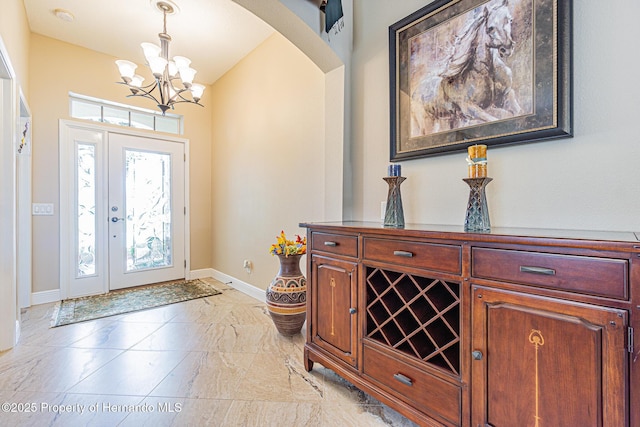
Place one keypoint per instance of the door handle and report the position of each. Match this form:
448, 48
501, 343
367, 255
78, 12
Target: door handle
537, 270
403, 253
403, 379
114, 219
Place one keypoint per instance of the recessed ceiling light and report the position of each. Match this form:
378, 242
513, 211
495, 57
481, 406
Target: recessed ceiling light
65, 15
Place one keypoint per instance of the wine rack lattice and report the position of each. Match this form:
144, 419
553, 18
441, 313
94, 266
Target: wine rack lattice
416, 315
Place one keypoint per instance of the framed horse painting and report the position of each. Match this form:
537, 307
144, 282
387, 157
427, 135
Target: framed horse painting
491, 72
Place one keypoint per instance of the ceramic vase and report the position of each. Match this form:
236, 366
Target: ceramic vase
286, 296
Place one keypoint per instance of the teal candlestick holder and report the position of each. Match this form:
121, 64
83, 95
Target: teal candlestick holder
394, 214
477, 218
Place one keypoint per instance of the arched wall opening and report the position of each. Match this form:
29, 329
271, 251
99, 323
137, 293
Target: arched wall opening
287, 23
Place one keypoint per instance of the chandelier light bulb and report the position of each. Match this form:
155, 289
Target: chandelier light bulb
187, 75
127, 69
137, 80
196, 91
157, 65
182, 61
173, 69
150, 50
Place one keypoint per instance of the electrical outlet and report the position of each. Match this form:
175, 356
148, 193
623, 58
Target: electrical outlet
246, 264
383, 209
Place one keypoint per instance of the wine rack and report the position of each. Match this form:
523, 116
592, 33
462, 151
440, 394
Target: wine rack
415, 315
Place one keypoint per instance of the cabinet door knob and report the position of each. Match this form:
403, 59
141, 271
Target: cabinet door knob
477, 355
352, 310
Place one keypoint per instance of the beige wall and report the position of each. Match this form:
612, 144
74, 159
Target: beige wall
14, 30
268, 156
56, 68
588, 182
266, 121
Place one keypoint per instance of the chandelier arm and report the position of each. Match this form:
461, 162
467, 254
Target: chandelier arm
145, 93
183, 100
150, 86
178, 92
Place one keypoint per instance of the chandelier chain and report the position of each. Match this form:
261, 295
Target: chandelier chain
164, 13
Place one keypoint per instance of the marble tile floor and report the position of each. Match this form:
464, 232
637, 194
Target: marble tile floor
215, 361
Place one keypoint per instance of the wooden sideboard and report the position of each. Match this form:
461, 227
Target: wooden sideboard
514, 327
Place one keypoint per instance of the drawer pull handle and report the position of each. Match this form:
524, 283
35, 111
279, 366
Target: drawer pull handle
333, 244
537, 270
403, 253
403, 379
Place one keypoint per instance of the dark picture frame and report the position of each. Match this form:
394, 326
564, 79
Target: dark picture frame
491, 72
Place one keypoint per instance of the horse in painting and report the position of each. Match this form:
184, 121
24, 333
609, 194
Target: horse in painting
475, 84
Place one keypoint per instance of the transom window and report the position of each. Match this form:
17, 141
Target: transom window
99, 110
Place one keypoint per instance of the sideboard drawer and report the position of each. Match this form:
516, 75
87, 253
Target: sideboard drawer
335, 244
430, 394
589, 275
432, 256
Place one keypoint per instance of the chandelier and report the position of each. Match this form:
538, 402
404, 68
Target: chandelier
167, 73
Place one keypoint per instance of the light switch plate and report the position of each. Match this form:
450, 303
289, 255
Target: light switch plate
42, 209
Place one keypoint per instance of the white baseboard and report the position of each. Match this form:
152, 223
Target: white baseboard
45, 297
200, 274
239, 285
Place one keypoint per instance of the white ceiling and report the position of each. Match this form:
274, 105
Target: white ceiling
214, 34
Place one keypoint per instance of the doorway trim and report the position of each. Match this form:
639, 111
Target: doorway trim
24, 185
9, 314
67, 181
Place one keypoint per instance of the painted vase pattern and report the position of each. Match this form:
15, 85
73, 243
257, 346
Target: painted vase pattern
286, 296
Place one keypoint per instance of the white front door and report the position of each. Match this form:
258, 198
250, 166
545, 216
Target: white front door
122, 209
146, 211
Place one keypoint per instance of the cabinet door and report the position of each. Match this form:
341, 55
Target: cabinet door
545, 362
333, 308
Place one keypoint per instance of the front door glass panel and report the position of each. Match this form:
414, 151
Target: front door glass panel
148, 210
86, 210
